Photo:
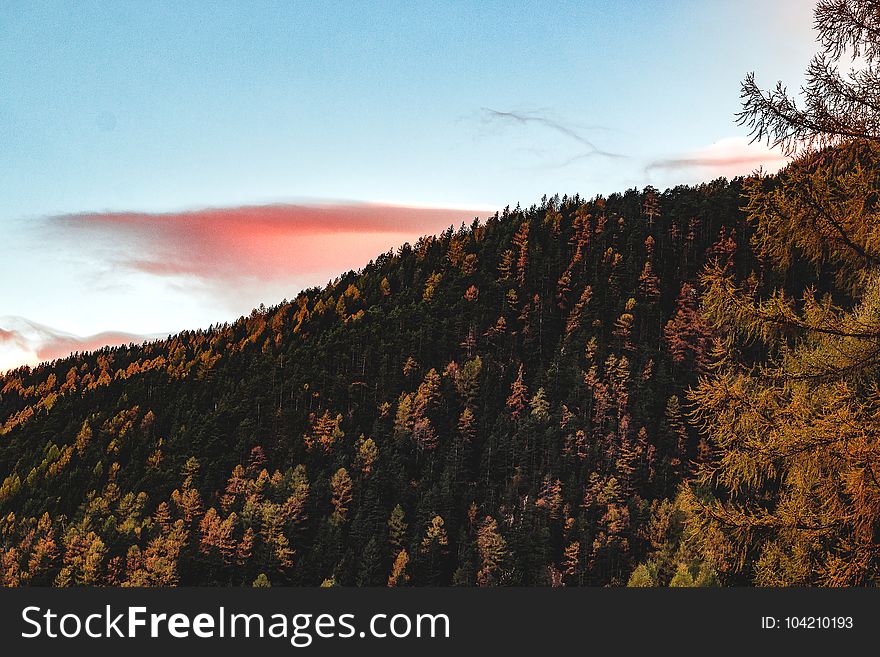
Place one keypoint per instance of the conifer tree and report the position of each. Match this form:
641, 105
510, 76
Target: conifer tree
539, 407
341, 496
399, 576
326, 430
492, 549
467, 425
434, 548
789, 479
516, 402
367, 454
688, 336
397, 528
521, 241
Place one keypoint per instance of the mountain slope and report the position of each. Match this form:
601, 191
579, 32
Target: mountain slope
501, 404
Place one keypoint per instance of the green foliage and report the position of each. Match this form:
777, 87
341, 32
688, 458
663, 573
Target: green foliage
644, 576
682, 578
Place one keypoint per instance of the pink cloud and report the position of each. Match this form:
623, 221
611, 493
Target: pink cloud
7, 336
24, 342
730, 157
234, 258
274, 242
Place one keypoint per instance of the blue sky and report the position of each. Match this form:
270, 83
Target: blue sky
164, 107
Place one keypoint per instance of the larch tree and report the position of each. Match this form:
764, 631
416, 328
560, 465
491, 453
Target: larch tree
791, 478
688, 336
367, 454
467, 425
399, 576
492, 549
516, 402
326, 430
426, 396
434, 548
340, 494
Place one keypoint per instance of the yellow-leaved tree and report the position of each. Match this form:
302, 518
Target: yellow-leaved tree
789, 493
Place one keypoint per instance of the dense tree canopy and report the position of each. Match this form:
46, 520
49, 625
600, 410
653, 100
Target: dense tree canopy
487, 406
670, 388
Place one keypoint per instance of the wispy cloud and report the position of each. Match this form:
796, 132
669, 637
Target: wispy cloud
568, 130
729, 157
24, 342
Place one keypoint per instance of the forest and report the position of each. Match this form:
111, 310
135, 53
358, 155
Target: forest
502, 403
673, 388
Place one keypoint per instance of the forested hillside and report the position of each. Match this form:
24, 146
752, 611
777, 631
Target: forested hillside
648, 389
500, 404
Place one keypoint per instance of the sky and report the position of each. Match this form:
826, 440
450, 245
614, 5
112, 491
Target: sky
166, 166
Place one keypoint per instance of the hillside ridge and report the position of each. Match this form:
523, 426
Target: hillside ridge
498, 404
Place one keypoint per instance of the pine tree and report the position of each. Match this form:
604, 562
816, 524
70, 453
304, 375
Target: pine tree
397, 528
521, 241
370, 570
